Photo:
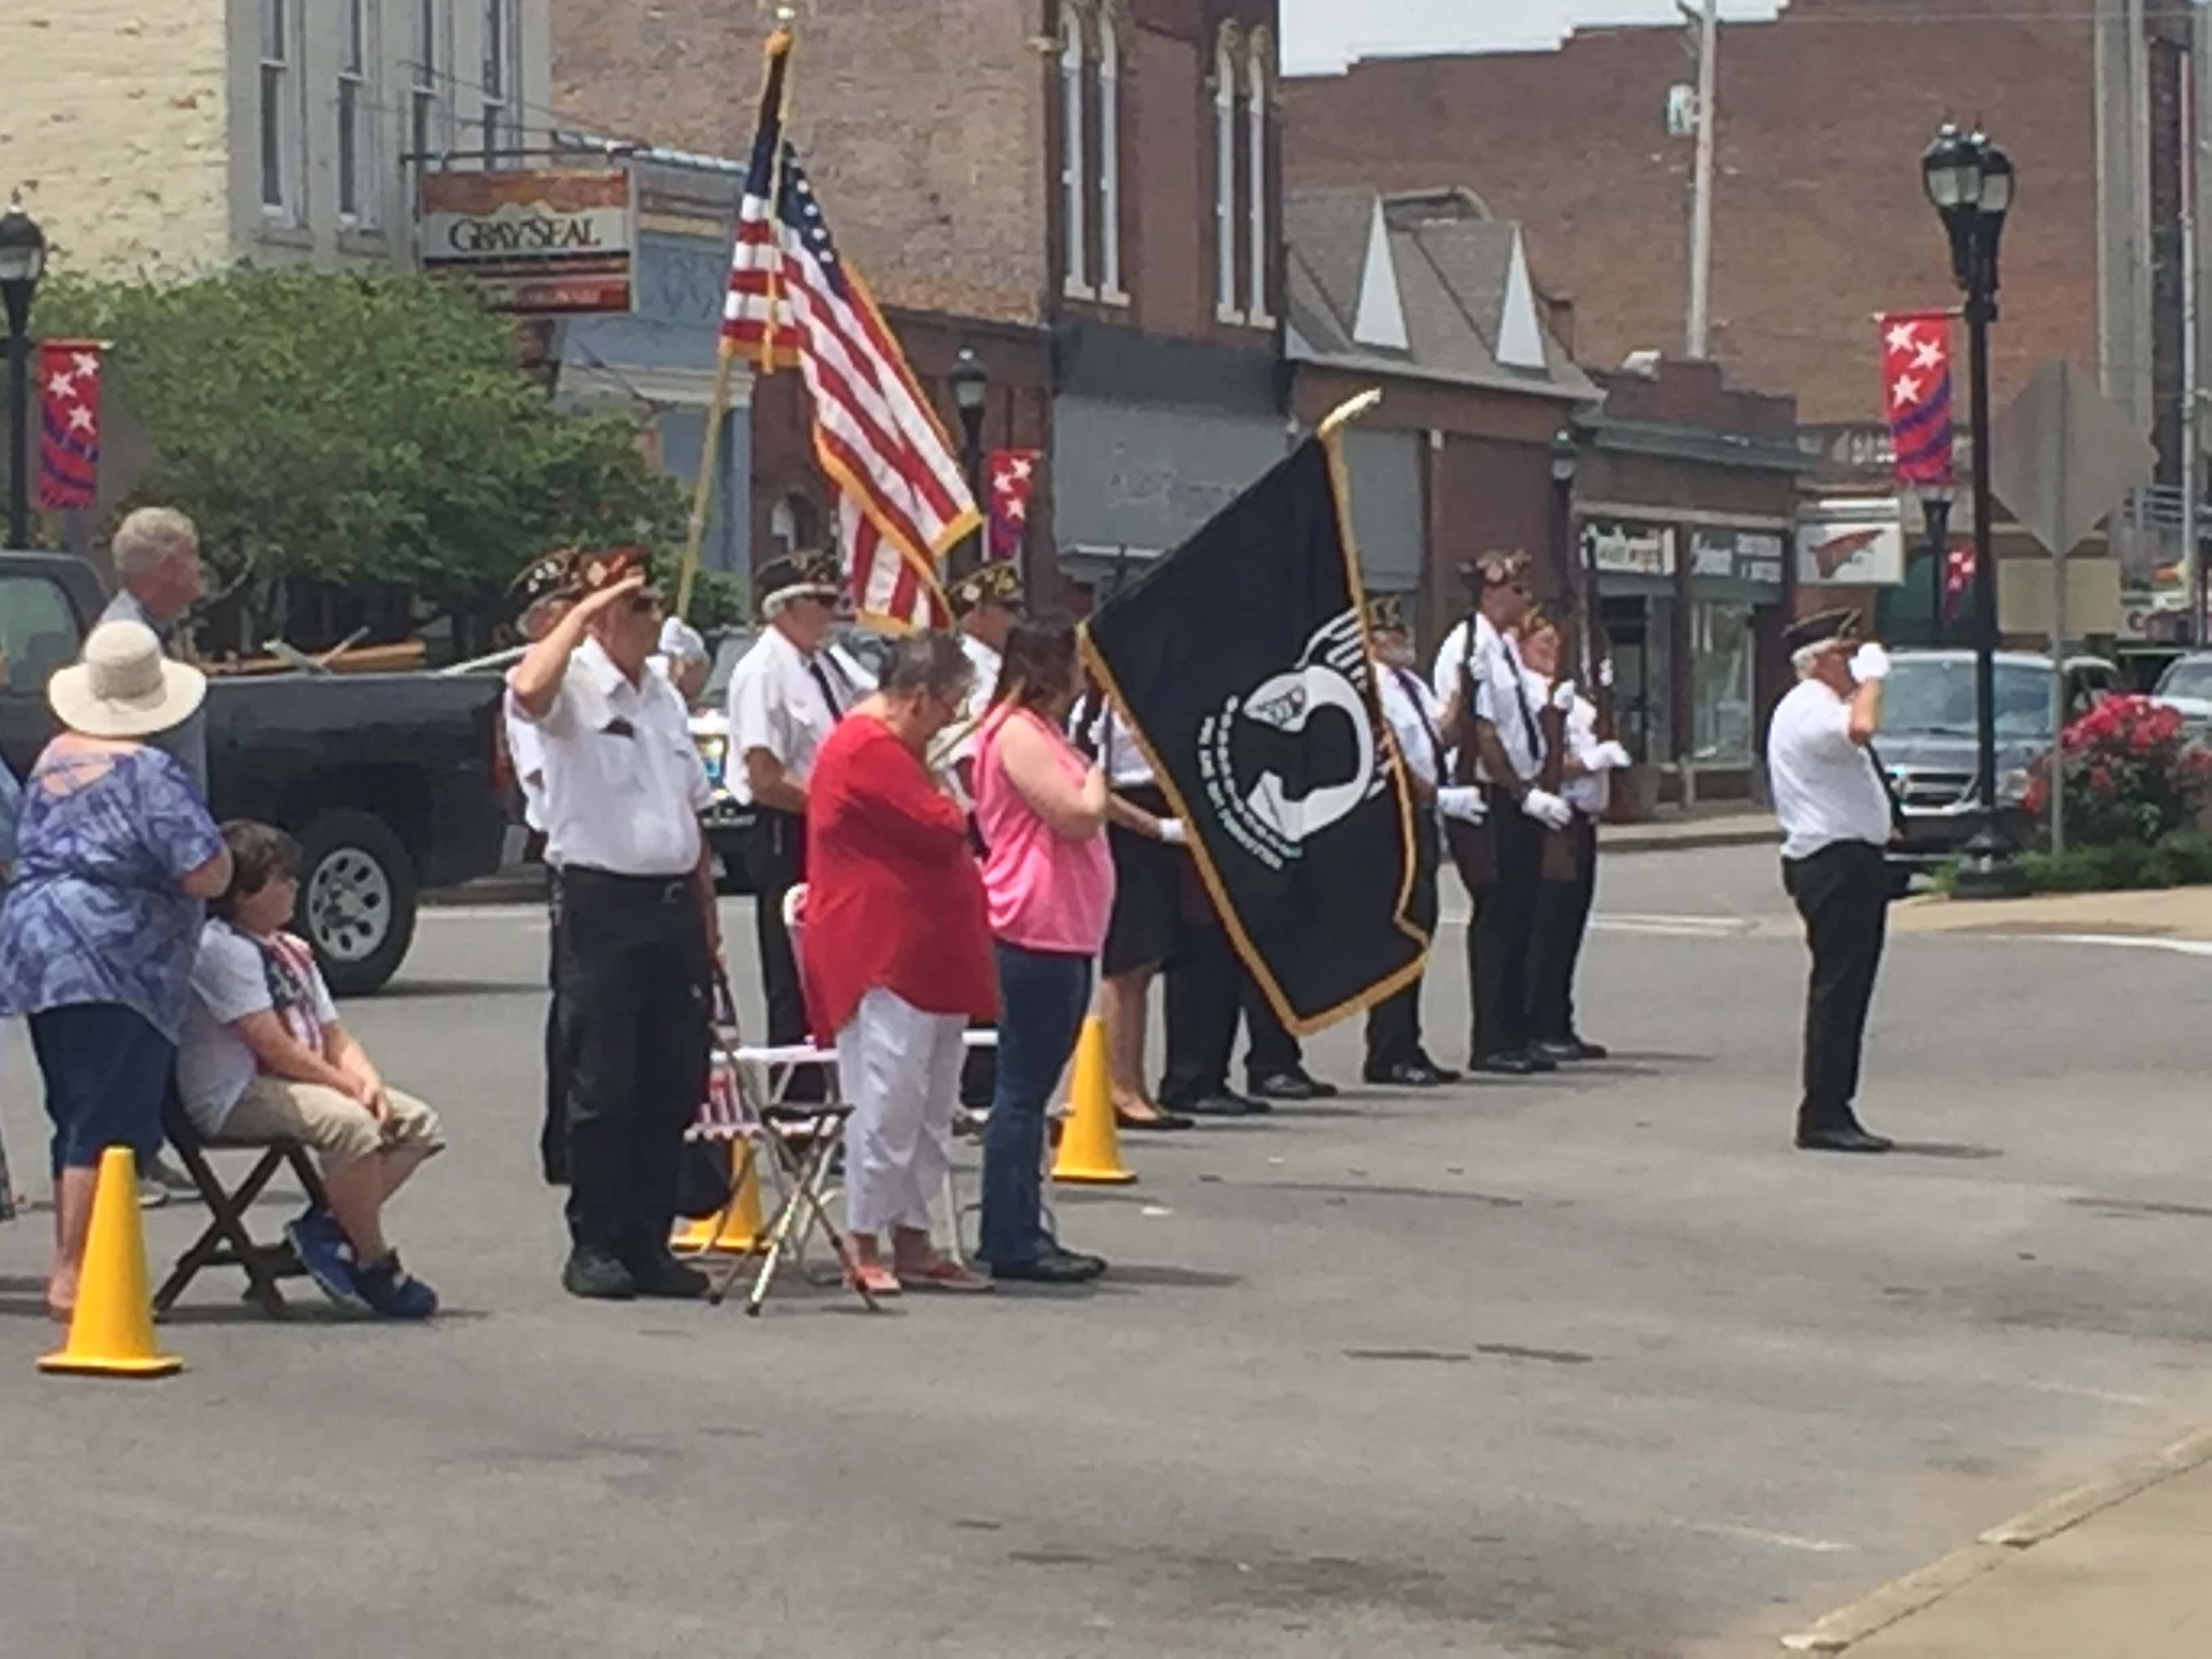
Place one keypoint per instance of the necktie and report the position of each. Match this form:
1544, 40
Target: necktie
1881, 777
1411, 687
829, 692
1521, 696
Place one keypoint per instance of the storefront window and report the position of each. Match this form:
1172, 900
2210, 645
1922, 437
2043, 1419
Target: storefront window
1638, 631
1720, 682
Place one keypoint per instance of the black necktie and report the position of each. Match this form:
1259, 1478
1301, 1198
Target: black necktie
1521, 696
1881, 777
1411, 687
828, 693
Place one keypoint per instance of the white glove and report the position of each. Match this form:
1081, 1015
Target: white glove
1609, 756
1869, 662
1605, 672
1462, 801
1563, 697
1172, 832
1547, 810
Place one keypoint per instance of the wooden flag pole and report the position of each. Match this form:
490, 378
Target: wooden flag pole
1347, 412
718, 401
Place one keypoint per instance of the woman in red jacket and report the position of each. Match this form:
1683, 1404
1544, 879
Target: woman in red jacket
897, 955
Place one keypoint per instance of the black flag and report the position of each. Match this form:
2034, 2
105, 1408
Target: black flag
1241, 660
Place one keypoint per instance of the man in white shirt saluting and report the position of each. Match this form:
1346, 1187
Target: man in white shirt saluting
1837, 816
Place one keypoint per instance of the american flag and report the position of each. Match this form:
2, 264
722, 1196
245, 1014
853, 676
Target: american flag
69, 437
1915, 393
1012, 473
903, 502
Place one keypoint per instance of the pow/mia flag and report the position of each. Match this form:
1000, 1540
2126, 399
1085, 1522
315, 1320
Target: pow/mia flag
1241, 662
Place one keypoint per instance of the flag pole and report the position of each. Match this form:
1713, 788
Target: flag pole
718, 400
1346, 413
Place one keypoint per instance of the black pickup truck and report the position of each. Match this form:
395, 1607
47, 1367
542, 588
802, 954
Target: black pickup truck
391, 783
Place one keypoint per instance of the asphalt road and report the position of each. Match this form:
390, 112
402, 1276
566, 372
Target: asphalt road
1588, 1365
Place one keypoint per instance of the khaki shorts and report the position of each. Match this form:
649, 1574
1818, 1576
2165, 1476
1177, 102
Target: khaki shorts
340, 1130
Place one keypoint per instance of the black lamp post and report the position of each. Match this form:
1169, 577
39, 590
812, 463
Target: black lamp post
1566, 572
1936, 508
971, 393
1970, 180
22, 258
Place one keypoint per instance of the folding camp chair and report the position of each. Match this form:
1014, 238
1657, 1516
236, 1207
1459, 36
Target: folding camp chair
226, 1242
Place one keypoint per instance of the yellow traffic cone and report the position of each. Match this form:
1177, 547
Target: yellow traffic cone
1090, 1150
740, 1231
112, 1332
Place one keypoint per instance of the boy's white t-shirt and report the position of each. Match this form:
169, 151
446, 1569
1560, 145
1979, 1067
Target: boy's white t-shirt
230, 979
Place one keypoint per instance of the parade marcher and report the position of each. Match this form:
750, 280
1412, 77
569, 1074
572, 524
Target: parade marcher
1274, 1063
787, 695
898, 956
1048, 882
1835, 812
544, 590
1563, 908
986, 604
1150, 867
639, 934
1508, 755
1423, 727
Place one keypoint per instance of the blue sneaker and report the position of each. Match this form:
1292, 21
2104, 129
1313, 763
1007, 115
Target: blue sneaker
317, 1240
393, 1292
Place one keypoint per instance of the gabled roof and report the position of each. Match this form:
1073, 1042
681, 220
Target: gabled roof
1426, 283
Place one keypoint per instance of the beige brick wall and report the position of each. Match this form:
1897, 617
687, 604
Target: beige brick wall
112, 124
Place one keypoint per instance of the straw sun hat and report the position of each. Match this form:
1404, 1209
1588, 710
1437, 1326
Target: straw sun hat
124, 687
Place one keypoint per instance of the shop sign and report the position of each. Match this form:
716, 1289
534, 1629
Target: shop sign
537, 241
1852, 542
1629, 550
1745, 556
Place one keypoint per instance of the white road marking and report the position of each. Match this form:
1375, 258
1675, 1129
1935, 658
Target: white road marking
2077, 1390
2187, 947
532, 917
1788, 1541
1666, 926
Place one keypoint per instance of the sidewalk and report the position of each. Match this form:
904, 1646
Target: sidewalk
2162, 912
1733, 823
2115, 1568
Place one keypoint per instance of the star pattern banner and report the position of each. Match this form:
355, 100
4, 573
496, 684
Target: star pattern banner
1916, 395
69, 434
1012, 476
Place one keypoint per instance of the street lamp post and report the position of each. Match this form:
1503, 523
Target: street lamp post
1970, 181
1567, 574
22, 258
1936, 508
971, 393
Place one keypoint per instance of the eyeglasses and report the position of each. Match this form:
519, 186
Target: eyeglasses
643, 604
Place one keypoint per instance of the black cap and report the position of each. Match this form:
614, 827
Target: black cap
807, 573
1821, 628
1386, 614
990, 583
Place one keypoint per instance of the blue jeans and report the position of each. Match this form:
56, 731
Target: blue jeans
1042, 998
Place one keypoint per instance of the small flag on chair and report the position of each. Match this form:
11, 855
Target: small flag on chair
69, 437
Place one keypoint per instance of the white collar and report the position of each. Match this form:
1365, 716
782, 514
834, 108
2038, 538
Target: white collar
606, 678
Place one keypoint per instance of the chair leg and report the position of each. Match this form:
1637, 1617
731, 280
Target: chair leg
227, 1226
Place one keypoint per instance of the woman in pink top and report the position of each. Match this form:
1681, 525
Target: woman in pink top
1048, 881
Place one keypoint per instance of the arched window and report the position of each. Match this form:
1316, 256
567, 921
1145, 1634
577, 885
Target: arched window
1109, 154
1226, 80
1074, 197
1260, 68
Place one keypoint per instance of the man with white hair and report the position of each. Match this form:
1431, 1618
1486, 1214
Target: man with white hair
1837, 816
786, 694
157, 571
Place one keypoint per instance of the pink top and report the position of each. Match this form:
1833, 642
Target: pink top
1043, 891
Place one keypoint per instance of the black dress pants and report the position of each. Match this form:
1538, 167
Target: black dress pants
1562, 910
553, 1135
1394, 1026
636, 1009
1270, 1050
1504, 931
1843, 893
775, 858
1203, 993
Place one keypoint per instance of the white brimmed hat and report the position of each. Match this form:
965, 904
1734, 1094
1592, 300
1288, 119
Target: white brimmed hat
124, 687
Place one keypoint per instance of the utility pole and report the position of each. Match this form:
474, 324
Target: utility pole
1707, 26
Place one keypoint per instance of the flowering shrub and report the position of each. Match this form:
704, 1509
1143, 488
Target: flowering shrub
2131, 774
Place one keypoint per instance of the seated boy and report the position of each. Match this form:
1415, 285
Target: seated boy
263, 1055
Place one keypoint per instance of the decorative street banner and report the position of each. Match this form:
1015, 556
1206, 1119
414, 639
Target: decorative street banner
1012, 473
1916, 395
69, 424
1241, 662
541, 242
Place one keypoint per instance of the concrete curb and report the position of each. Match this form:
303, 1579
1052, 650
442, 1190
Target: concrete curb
1924, 1586
1626, 839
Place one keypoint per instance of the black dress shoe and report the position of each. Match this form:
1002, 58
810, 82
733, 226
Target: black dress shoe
1289, 1086
1585, 1049
1436, 1074
1054, 1266
1507, 1064
1848, 1139
1539, 1061
662, 1275
1161, 1120
1224, 1105
1404, 1074
597, 1274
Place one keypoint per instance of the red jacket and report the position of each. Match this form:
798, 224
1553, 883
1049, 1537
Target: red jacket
893, 896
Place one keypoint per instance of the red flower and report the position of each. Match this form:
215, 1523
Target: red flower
2101, 780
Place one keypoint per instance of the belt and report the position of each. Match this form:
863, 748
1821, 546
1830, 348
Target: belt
577, 880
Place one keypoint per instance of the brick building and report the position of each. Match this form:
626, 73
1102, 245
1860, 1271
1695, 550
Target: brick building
177, 136
1098, 224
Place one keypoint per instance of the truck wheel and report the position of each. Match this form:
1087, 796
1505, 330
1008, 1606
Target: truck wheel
357, 900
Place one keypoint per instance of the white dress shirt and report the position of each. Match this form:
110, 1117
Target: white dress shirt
527, 756
1825, 788
1411, 707
1500, 692
776, 703
1111, 738
987, 664
624, 785
1588, 792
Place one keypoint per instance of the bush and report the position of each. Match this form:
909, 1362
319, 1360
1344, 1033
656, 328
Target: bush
2181, 859
2131, 778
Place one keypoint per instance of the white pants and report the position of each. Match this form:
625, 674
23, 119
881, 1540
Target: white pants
900, 1069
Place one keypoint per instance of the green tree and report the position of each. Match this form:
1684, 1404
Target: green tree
370, 438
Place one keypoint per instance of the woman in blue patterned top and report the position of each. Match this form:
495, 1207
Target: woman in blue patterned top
115, 853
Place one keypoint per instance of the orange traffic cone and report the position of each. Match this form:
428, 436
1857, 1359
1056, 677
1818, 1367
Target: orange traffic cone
1090, 1150
737, 1229
112, 1332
